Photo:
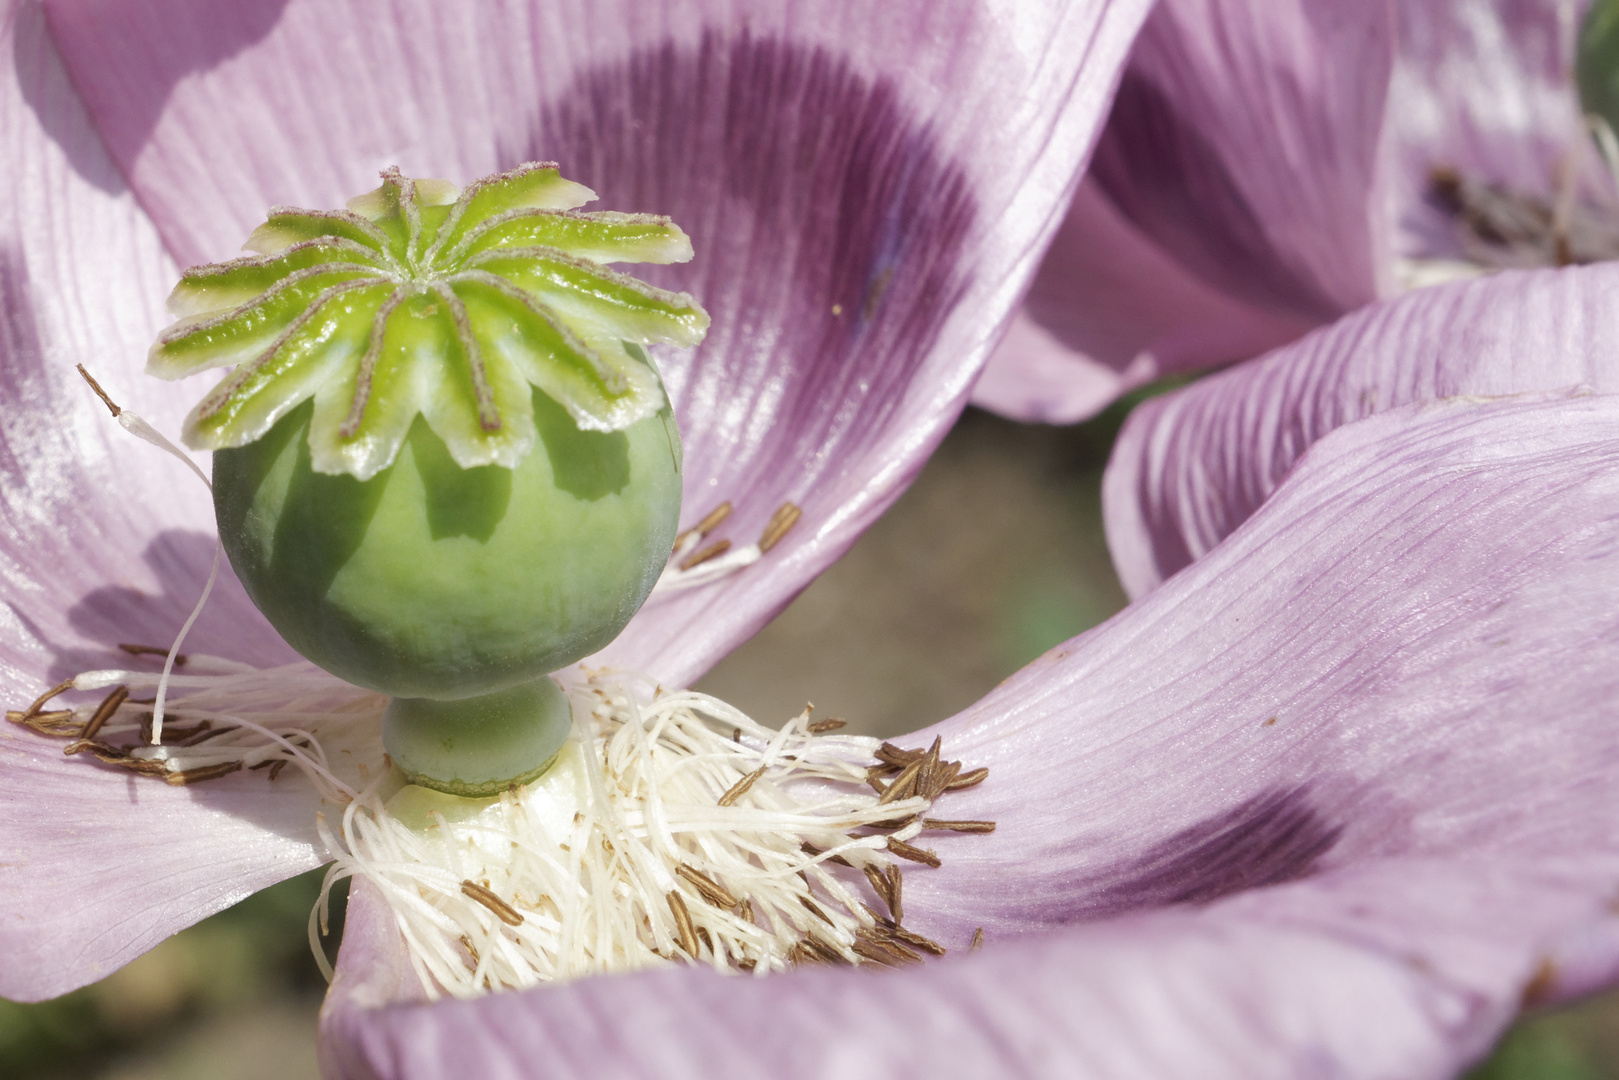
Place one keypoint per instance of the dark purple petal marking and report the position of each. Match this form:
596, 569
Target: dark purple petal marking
1166, 176
1273, 837
829, 228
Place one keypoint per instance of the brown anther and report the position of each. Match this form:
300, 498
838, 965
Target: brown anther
785, 517
882, 937
813, 852
711, 521
683, 925
978, 940
740, 788
893, 755
152, 650
58, 723
930, 766
702, 935
100, 749
915, 940
880, 886
896, 894
943, 776
815, 910
503, 911
195, 736
747, 964
711, 890
744, 911
876, 785
100, 393
39, 702
893, 824
104, 711
206, 772
275, 770
958, 826
915, 854
968, 779
703, 555
821, 727
871, 953
904, 783
821, 952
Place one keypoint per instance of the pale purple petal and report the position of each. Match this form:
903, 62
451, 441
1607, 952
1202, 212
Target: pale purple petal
1109, 311
1189, 467
1329, 804
867, 190
1485, 87
105, 541
1232, 202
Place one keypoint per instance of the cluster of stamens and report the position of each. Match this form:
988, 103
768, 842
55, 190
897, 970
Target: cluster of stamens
696, 560
689, 833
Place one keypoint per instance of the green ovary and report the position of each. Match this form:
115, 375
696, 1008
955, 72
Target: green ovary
433, 581
444, 465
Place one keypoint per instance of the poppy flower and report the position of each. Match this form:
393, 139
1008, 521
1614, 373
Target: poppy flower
867, 193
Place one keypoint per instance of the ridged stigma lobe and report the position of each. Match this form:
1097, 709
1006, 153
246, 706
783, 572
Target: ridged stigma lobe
424, 299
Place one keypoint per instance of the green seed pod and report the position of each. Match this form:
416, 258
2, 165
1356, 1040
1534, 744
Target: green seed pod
444, 464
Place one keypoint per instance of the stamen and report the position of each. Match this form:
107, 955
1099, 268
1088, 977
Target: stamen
968, 779
711, 521
41, 701
151, 650
688, 935
712, 551
738, 789
503, 911
104, 711
712, 891
206, 772
978, 940
785, 517
958, 826
673, 826
915, 854
689, 567
821, 727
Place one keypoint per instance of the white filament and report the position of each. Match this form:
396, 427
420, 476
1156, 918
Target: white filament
585, 858
588, 855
